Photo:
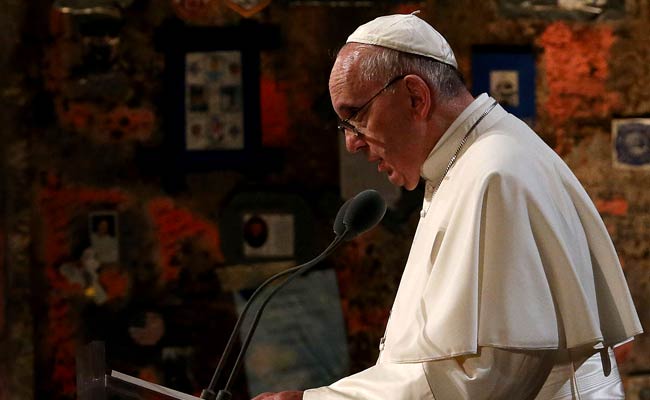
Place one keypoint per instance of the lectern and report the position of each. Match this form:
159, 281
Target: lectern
93, 383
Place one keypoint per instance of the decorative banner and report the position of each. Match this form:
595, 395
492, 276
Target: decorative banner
631, 143
300, 342
247, 8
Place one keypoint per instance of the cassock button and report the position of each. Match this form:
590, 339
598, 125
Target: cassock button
423, 213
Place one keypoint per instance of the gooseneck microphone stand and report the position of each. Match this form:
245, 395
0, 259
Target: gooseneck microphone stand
357, 215
224, 394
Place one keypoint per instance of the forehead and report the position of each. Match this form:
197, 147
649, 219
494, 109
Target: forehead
347, 86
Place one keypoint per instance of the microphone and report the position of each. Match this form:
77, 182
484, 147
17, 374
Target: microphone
356, 216
363, 212
339, 226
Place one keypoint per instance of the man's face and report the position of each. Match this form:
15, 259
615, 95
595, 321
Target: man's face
389, 135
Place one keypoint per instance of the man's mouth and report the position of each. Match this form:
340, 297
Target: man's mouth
381, 165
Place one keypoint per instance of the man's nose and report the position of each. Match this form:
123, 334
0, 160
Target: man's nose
354, 143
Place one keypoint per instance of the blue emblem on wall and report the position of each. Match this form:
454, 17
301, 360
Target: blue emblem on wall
632, 143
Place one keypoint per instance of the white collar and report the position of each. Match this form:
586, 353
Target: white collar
434, 166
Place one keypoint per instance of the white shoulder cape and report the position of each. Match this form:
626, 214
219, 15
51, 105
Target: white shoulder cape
511, 253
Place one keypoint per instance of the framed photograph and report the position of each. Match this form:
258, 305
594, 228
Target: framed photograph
212, 94
506, 73
104, 236
214, 106
266, 226
268, 234
631, 143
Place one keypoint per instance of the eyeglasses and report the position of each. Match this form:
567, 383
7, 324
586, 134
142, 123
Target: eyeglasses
345, 124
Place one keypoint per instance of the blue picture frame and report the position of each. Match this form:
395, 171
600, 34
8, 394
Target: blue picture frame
507, 73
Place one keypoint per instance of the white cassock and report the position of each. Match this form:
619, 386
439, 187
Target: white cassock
512, 288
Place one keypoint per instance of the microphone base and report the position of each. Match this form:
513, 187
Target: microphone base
208, 394
224, 395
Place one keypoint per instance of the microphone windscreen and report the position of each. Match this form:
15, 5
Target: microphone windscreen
339, 227
364, 212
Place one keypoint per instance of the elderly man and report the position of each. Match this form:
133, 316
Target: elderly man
512, 289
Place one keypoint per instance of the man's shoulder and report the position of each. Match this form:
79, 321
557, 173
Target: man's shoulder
504, 151
510, 159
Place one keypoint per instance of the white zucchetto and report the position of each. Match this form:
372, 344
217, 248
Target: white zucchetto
407, 33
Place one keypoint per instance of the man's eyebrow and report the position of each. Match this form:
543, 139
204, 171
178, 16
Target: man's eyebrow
348, 110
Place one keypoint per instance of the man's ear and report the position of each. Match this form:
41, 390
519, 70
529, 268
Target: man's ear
419, 95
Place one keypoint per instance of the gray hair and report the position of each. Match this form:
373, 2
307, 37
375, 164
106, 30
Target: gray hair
382, 64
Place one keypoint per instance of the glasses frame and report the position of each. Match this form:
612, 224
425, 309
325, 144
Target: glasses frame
345, 124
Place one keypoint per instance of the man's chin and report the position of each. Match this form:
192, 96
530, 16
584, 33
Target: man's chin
398, 180
410, 187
